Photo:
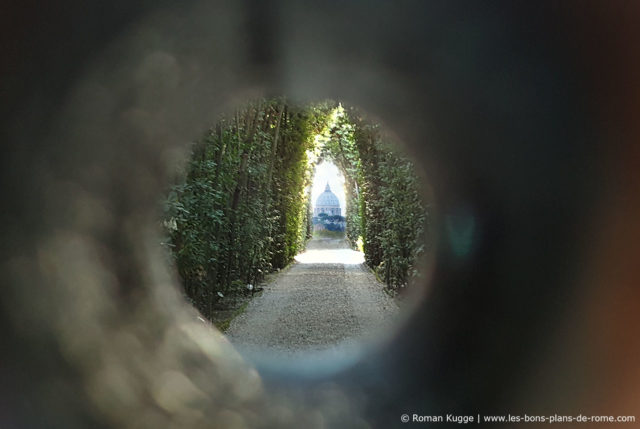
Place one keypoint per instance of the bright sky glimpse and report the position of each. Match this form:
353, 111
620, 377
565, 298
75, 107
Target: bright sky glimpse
328, 172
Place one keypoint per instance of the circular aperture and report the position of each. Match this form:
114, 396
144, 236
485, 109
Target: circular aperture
301, 231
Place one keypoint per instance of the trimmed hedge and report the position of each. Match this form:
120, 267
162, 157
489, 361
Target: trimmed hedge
385, 212
243, 210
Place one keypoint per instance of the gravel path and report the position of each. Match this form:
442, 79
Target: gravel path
325, 299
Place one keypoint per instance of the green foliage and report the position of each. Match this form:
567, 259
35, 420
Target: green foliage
243, 209
384, 209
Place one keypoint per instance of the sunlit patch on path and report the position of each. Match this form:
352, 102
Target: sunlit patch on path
327, 301
331, 256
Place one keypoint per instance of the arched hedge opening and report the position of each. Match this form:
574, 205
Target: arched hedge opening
242, 206
387, 216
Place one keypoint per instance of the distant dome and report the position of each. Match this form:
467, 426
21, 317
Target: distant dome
327, 203
327, 199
